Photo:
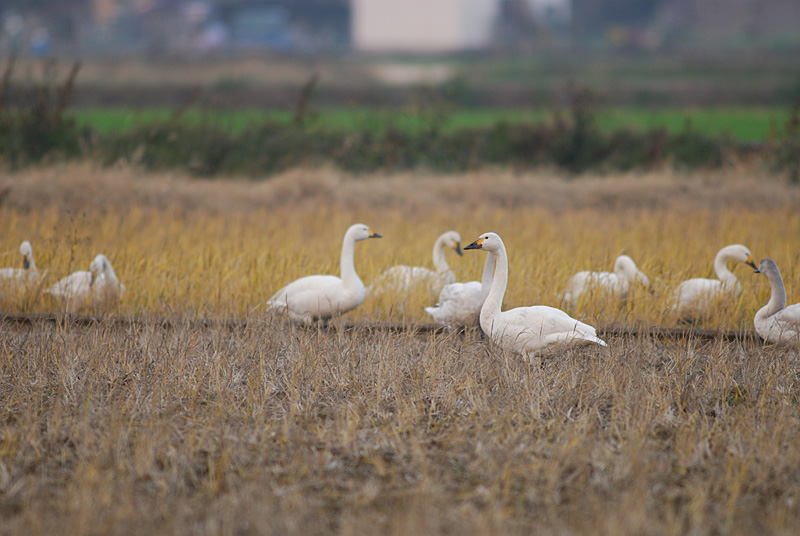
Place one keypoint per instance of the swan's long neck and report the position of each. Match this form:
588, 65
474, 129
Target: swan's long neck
721, 269
347, 265
439, 261
777, 299
494, 301
111, 275
486, 276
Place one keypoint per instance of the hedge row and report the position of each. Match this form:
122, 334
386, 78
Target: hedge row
41, 129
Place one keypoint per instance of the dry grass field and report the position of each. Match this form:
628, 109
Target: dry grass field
270, 428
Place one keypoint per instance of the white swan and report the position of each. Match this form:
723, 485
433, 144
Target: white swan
403, 279
325, 296
525, 330
775, 322
697, 294
25, 274
616, 283
460, 303
96, 287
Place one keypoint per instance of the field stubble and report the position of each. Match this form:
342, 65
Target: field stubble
272, 428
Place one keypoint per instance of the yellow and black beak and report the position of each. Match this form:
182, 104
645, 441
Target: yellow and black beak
373, 234
752, 264
457, 247
26, 262
475, 245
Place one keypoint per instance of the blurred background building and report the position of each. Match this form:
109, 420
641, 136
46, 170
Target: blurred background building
178, 27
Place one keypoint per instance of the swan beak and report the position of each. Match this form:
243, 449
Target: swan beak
457, 247
26, 262
475, 245
752, 264
373, 234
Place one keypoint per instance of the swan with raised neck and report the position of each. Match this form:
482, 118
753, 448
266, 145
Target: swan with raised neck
28, 270
404, 279
321, 297
96, 287
696, 295
775, 322
617, 283
524, 330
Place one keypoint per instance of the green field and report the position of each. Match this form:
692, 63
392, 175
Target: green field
742, 124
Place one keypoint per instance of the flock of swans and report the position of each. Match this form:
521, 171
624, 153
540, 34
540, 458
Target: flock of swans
95, 287
524, 330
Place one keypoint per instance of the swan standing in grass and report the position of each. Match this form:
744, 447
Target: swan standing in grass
22, 275
525, 330
775, 322
617, 283
96, 287
460, 303
403, 279
325, 296
695, 295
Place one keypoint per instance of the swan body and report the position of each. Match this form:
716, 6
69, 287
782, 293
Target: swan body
95, 287
460, 303
325, 296
23, 275
404, 279
617, 283
525, 330
775, 322
697, 294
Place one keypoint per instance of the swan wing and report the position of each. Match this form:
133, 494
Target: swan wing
790, 314
785, 325
586, 282
696, 292
315, 296
73, 291
74, 284
404, 279
106, 290
459, 303
533, 328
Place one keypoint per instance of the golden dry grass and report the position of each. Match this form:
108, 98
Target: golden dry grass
272, 428
221, 249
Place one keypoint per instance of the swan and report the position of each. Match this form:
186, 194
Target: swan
524, 330
403, 279
696, 294
460, 303
325, 296
616, 283
98, 286
28, 271
775, 322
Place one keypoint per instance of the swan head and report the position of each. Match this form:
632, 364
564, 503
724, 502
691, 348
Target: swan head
487, 242
767, 267
100, 265
359, 231
26, 251
625, 266
453, 240
739, 253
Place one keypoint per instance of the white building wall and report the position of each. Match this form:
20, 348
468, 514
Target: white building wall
422, 25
